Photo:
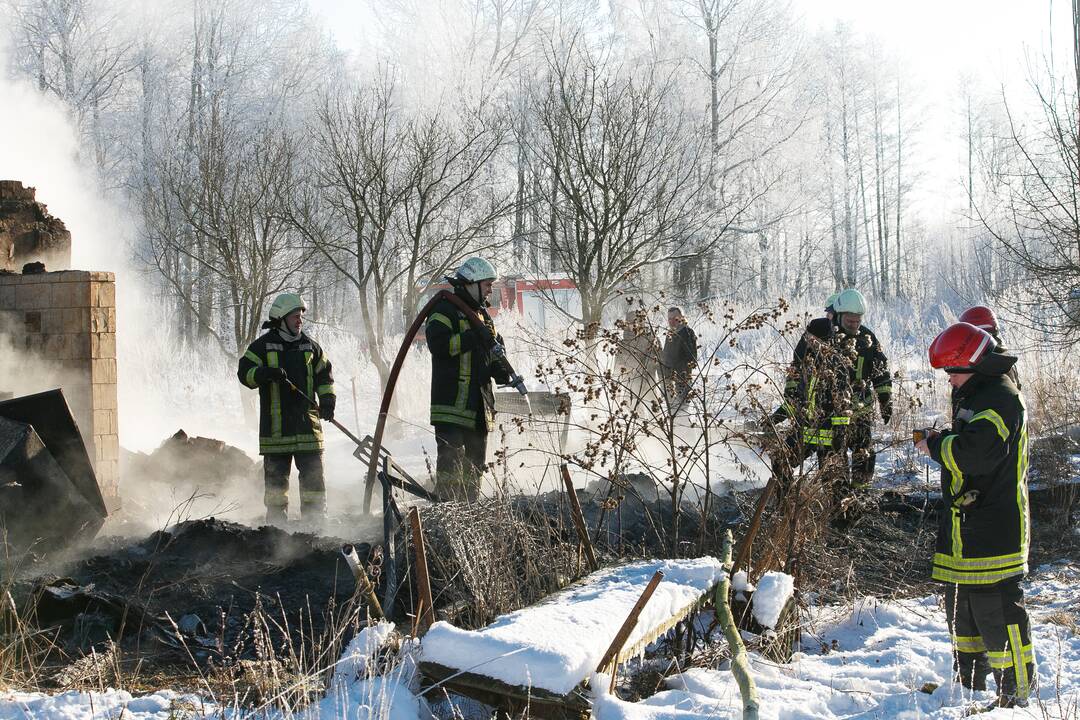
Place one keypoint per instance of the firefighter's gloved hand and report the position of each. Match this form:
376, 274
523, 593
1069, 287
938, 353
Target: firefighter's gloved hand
498, 351
484, 334
266, 375
327, 403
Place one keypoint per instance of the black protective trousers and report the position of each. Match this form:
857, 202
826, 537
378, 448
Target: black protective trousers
276, 468
863, 458
459, 463
990, 633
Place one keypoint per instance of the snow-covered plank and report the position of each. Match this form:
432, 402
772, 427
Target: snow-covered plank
557, 644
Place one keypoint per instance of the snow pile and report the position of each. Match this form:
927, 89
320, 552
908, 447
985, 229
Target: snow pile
557, 644
774, 589
873, 660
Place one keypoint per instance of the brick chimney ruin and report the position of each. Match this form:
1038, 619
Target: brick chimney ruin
60, 325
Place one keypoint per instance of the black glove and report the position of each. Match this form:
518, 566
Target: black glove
484, 336
886, 412
266, 375
327, 403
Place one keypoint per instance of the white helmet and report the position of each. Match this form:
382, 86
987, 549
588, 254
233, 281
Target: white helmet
850, 301
286, 303
476, 269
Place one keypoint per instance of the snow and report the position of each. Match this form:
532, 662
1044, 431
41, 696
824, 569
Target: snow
774, 589
557, 644
869, 659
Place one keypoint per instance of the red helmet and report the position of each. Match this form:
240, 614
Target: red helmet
981, 317
961, 347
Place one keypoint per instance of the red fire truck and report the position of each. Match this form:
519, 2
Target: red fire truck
533, 301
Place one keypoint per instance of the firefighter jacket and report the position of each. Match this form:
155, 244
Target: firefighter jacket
287, 422
817, 394
868, 372
462, 368
984, 528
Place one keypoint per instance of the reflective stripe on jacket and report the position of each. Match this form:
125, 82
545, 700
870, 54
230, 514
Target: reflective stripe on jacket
985, 526
461, 370
287, 423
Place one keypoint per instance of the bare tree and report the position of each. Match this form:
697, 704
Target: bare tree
624, 169
395, 201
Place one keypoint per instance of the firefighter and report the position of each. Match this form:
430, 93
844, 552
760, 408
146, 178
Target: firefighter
983, 318
985, 526
279, 363
817, 397
871, 384
464, 361
830, 311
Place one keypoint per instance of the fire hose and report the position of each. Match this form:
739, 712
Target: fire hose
474, 320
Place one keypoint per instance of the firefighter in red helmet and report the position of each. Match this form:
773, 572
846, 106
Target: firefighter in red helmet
985, 528
983, 318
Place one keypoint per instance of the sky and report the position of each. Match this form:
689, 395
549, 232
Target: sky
936, 41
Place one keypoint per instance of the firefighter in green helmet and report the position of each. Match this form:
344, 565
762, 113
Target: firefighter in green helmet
277, 364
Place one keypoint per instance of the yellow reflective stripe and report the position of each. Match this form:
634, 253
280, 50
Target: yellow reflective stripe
1017, 647
326, 390
275, 398
999, 660
984, 577
950, 464
253, 358
322, 365
882, 389
841, 420
957, 538
440, 318
276, 498
994, 562
308, 355
995, 419
791, 384
309, 495
249, 379
969, 643
464, 374
455, 345
812, 395
1022, 505
859, 367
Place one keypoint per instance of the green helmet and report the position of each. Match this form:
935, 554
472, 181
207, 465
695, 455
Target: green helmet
830, 303
850, 301
476, 269
286, 303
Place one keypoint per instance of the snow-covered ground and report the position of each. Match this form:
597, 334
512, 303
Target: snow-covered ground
876, 659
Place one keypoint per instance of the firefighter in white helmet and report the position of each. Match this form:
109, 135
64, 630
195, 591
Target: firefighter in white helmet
464, 361
289, 429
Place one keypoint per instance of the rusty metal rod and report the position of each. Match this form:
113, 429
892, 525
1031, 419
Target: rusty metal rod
579, 519
628, 627
426, 614
363, 583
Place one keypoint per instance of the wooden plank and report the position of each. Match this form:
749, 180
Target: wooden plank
579, 519
426, 614
512, 699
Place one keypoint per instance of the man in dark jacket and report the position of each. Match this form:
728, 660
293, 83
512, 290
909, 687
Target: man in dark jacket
985, 526
679, 357
464, 361
289, 429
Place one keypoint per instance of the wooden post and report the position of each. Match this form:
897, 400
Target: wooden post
426, 614
363, 583
740, 665
579, 519
628, 627
743, 553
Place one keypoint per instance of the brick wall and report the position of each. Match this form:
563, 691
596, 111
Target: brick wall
66, 321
